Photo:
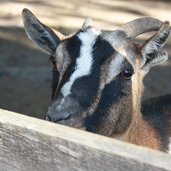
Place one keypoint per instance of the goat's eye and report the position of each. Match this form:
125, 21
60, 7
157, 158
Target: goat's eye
126, 74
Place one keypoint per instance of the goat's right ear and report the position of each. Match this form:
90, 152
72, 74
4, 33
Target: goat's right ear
42, 35
151, 49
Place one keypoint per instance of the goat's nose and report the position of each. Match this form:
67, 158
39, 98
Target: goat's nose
63, 110
57, 117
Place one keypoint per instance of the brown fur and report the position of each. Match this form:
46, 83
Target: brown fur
140, 132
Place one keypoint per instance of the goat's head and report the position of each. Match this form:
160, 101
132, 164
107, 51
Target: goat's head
90, 60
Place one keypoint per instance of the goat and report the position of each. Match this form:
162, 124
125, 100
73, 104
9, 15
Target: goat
93, 72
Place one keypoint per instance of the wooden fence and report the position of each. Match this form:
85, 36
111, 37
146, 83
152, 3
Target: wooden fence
29, 144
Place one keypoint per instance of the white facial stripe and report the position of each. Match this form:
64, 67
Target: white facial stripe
115, 67
85, 60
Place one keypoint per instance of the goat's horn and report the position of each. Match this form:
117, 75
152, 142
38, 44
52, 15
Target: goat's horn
87, 22
142, 25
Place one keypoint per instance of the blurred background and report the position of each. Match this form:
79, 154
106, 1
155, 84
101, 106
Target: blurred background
25, 71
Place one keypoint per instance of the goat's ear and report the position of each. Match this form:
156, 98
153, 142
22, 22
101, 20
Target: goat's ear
151, 49
159, 58
42, 35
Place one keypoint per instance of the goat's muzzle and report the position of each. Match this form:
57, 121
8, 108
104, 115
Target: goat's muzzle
63, 109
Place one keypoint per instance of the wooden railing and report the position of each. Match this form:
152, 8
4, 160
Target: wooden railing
29, 144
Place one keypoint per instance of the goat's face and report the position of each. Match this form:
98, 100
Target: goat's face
91, 69
81, 56
76, 62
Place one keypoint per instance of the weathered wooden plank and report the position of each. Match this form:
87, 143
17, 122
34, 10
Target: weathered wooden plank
31, 144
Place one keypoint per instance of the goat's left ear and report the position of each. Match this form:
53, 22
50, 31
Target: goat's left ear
151, 49
39, 33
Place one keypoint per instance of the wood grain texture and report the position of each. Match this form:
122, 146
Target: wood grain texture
29, 144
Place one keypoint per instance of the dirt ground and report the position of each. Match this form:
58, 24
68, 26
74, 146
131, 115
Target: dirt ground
25, 71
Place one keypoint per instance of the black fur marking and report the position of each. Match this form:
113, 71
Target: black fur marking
111, 94
155, 112
102, 50
85, 88
73, 45
53, 61
55, 77
55, 81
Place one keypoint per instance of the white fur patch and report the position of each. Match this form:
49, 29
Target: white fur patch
115, 67
85, 60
